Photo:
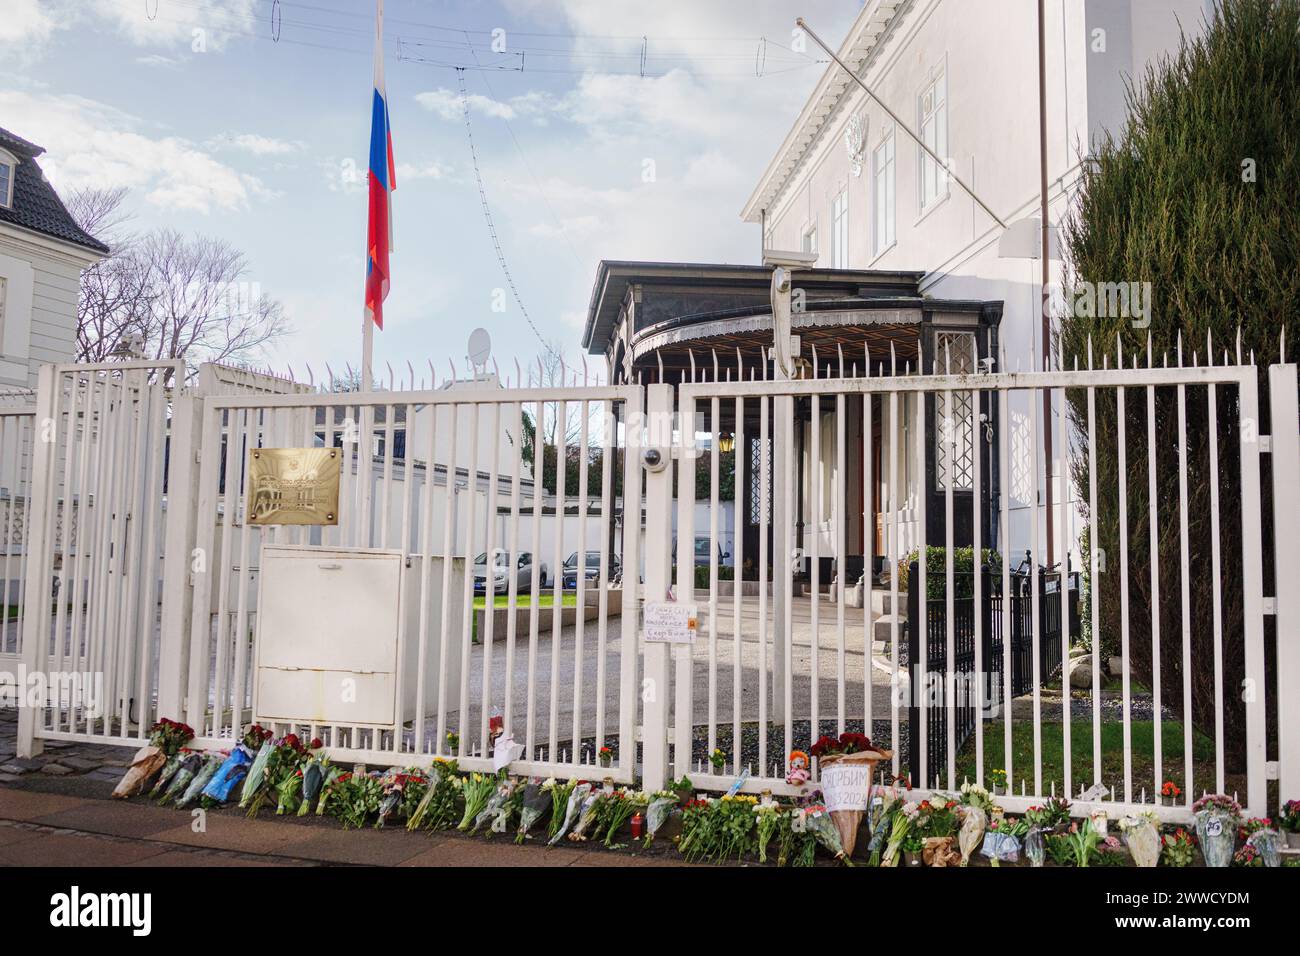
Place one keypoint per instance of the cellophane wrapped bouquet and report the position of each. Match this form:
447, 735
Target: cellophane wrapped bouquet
166, 738
1141, 833
535, 803
662, 805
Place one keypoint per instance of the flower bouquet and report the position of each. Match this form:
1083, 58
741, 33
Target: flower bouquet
934, 827
313, 782
573, 805
976, 804
1178, 848
1142, 835
592, 808
166, 738
358, 797
1002, 841
476, 789
625, 803
1267, 844
191, 762
205, 773
879, 821
498, 804
330, 788
1082, 841
1289, 818
395, 784
256, 778
1037, 827
661, 807
901, 823
536, 802
847, 765
1109, 852
437, 807
559, 794
817, 820
169, 771
1216, 817
767, 817
228, 776
698, 824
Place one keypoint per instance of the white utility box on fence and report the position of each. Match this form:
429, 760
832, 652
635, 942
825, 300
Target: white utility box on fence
328, 633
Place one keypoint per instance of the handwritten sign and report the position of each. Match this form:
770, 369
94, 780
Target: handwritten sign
845, 786
667, 622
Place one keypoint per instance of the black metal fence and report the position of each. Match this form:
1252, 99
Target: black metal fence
965, 678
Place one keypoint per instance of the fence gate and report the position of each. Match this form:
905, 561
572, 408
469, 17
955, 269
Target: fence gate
508, 612
94, 551
811, 642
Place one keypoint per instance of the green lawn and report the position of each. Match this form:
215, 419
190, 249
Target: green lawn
545, 599
1112, 755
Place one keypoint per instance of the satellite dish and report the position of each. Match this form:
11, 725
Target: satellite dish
480, 347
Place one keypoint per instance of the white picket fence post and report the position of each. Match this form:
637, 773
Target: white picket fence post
1286, 549
178, 545
36, 596
658, 560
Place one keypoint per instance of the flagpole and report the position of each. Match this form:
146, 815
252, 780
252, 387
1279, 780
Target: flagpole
367, 320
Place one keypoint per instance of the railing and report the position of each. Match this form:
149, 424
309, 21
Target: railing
970, 706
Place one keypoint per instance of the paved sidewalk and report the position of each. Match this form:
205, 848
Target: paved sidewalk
73, 822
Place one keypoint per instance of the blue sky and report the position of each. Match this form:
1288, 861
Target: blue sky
228, 133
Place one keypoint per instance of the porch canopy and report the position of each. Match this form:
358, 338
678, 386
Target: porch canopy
648, 316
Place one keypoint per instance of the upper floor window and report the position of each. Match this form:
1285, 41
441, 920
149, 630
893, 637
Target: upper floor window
810, 240
8, 166
882, 184
933, 109
840, 231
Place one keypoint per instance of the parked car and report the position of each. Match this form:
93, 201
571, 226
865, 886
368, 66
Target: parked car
569, 573
523, 571
702, 551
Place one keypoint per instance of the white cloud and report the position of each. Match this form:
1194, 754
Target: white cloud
92, 144
255, 144
446, 104
25, 22
198, 25
157, 59
407, 172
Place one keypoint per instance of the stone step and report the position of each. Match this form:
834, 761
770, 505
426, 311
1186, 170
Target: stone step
882, 628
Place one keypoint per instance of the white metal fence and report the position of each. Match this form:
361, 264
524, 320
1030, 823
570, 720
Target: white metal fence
164, 601
772, 673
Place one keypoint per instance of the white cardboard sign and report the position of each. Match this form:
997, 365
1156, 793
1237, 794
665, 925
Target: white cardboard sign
667, 622
845, 786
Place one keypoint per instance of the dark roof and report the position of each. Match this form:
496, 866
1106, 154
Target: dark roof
36, 205
613, 278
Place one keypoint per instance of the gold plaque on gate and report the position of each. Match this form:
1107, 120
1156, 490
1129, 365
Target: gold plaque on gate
293, 486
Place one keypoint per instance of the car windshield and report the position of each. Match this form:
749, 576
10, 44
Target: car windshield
501, 559
701, 547
593, 560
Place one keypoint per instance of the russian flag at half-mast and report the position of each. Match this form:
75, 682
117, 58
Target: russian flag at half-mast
382, 182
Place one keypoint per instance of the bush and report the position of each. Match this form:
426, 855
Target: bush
1196, 197
936, 567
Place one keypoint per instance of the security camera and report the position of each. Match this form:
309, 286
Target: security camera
652, 459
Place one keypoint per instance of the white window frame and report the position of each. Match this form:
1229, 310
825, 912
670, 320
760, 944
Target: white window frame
10, 161
932, 126
884, 195
808, 239
840, 229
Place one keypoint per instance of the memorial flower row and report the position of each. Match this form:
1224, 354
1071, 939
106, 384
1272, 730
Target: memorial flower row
290, 774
